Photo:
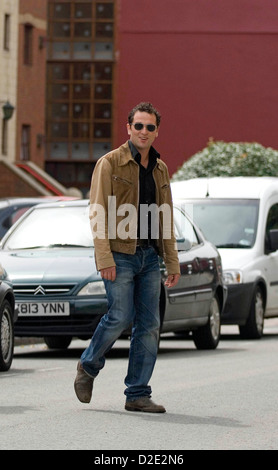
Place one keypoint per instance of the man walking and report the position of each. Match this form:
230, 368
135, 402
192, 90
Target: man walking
132, 176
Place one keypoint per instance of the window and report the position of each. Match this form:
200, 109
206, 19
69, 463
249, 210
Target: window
7, 31
271, 224
12, 218
272, 219
25, 142
216, 218
28, 44
184, 230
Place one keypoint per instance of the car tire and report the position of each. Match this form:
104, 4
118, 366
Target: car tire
208, 336
254, 327
57, 342
6, 336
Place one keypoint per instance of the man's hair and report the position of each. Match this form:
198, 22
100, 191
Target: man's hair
144, 107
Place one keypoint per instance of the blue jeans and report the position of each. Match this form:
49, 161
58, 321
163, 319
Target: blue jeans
133, 298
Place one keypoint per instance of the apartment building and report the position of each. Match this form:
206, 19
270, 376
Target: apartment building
22, 96
80, 87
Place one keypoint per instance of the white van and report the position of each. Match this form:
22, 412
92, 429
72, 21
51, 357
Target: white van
240, 216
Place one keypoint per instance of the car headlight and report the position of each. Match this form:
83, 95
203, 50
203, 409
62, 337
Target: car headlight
93, 288
232, 276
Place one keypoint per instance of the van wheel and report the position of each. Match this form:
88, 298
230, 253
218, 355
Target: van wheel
6, 336
254, 327
208, 336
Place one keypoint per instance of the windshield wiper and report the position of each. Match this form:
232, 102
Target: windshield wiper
26, 248
66, 245
233, 245
54, 245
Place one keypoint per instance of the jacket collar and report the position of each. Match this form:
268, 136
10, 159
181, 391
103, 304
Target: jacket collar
126, 156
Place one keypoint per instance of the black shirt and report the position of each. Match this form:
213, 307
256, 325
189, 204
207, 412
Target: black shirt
146, 186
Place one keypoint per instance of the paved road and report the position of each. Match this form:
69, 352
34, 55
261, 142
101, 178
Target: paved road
223, 399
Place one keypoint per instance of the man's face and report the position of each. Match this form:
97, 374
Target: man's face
142, 139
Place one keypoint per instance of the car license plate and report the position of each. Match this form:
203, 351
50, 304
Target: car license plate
43, 309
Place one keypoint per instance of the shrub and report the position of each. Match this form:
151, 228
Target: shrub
230, 159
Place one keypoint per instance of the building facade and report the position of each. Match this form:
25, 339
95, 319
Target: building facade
80, 88
32, 30
8, 80
73, 69
210, 66
22, 98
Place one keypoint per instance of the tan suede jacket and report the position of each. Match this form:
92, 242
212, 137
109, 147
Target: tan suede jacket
117, 174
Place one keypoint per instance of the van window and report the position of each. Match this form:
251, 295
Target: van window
271, 224
272, 218
227, 223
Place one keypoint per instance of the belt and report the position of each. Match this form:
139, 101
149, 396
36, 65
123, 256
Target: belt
145, 243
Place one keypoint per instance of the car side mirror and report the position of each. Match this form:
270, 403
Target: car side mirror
183, 244
273, 240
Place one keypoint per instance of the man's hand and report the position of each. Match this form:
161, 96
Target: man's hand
109, 273
172, 280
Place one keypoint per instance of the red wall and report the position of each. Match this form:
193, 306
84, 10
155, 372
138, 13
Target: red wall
209, 66
31, 82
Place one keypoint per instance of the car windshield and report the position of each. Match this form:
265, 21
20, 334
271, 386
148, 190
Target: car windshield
227, 223
52, 227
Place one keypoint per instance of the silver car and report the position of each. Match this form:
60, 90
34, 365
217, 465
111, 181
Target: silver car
49, 255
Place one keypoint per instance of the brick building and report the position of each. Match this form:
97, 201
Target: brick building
209, 66
31, 81
81, 84
23, 84
8, 80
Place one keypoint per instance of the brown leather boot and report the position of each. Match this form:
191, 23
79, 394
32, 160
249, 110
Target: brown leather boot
144, 404
83, 385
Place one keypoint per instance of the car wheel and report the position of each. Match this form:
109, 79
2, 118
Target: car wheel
6, 336
57, 342
208, 336
254, 327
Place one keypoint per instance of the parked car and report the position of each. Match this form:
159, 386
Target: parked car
49, 256
240, 216
11, 208
7, 319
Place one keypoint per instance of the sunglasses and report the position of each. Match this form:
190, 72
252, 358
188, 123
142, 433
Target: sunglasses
138, 126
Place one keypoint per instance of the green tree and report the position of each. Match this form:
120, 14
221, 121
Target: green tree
230, 159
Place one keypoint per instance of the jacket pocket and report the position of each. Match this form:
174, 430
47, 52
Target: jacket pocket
119, 179
122, 188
